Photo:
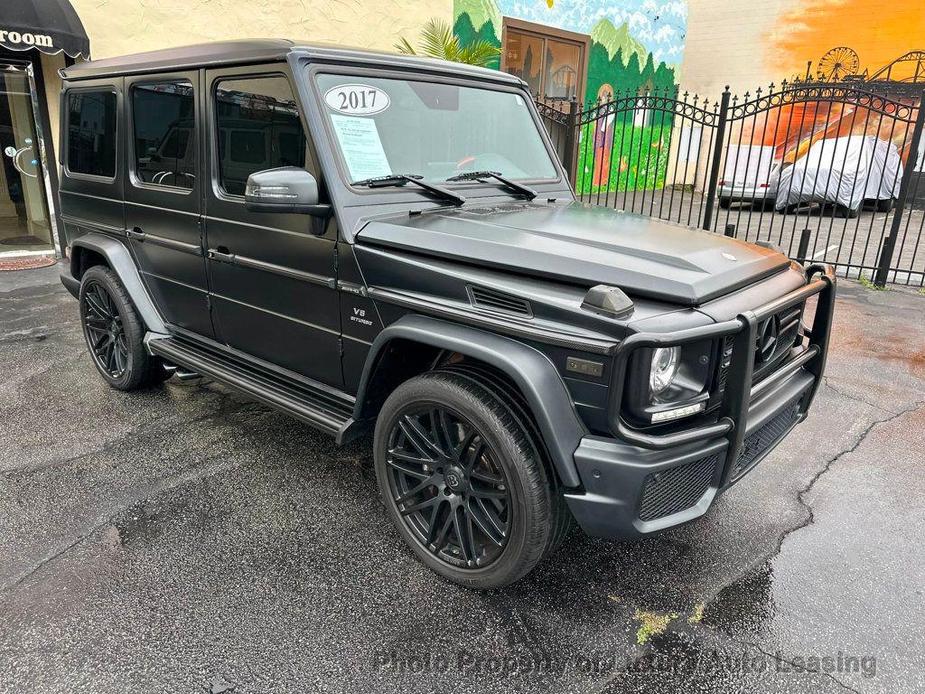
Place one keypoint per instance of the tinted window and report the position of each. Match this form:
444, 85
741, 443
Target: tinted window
248, 146
91, 133
163, 127
259, 128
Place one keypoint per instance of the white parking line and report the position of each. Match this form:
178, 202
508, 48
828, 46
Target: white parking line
824, 251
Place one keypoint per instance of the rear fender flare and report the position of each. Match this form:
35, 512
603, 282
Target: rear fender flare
531, 370
121, 262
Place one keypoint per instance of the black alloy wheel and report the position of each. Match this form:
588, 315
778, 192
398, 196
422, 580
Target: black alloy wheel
104, 330
448, 485
115, 333
463, 480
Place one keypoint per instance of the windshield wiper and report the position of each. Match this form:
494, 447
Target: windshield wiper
526, 191
402, 179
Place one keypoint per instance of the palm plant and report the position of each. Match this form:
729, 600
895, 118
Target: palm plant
438, 41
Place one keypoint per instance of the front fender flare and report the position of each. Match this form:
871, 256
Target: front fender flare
121, 262
530, 369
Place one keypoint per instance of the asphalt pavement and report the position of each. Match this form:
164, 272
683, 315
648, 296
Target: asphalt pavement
185, 539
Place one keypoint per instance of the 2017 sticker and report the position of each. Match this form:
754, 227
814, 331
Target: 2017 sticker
357, 99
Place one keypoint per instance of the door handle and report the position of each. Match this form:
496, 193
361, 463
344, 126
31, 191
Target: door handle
220, 254
135, 233
16, 155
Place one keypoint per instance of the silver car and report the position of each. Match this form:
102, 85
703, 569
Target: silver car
759, 191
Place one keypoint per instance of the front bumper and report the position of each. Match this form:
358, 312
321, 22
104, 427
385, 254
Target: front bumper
641, 483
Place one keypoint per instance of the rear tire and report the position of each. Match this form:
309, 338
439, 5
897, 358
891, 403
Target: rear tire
725, 203
845, 212
115, 334
463, 482
885, 205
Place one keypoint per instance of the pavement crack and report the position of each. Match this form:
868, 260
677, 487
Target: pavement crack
827, 382
801, 495
781, 659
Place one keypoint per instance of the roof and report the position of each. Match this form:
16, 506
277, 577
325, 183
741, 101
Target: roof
221, 53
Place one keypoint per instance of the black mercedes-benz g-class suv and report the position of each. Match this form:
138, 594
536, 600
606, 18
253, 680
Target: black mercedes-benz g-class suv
384, 244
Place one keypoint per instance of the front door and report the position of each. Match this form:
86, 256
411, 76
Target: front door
273, 280
162, 195
24, 220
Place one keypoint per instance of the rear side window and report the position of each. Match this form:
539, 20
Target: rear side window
258, 128
91, 133
163, 127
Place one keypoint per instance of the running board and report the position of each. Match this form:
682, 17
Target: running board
320, 406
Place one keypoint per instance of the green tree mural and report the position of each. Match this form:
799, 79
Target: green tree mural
468, 35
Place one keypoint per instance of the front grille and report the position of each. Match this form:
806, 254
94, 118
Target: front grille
676, 489
788, 322
757, 443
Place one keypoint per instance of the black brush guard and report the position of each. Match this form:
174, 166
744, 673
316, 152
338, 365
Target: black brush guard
731, 422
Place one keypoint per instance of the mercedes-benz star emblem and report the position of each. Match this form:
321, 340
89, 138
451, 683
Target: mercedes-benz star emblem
768, 333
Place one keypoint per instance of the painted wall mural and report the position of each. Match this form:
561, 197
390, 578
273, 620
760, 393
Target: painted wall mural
878, 34
634, 44
615, 47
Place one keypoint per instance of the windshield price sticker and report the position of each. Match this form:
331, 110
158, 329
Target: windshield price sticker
357, 99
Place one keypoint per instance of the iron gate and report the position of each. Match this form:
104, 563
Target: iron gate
831, 173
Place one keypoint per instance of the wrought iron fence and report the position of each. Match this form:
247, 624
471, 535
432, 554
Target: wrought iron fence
831, 173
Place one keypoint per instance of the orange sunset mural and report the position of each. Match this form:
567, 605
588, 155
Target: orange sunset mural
873, 36
878, 32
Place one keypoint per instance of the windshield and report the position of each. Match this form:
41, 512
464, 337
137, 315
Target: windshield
436, 131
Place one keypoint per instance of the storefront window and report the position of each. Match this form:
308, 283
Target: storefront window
24, 220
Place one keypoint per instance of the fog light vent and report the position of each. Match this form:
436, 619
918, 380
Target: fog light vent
676, 489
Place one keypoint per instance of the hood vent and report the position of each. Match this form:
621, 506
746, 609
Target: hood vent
493, 300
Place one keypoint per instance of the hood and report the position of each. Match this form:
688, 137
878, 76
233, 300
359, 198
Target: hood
586, 245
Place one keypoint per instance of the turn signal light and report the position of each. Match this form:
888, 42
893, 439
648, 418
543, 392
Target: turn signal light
678, 412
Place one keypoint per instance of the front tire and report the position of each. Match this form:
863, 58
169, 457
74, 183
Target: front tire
114, 332
885, 205
462, 481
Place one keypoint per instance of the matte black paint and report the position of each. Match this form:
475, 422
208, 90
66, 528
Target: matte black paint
303, 312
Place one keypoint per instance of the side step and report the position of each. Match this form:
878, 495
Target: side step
319, 405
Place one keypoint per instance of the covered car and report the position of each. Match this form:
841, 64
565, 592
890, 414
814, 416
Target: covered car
844, 171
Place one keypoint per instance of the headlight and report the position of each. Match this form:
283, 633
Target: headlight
665, 363
668, 383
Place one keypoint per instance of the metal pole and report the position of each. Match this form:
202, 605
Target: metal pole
803, 248
730, 231
569, 159
889, 242
716, 160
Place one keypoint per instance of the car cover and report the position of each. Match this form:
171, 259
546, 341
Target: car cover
842, 170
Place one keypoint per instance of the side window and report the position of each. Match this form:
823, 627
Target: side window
164, 132
91, 133
258, 128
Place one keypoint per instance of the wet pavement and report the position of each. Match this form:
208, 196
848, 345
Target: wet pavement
184, 539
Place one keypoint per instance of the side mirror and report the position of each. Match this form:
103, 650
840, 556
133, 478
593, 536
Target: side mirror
287, 189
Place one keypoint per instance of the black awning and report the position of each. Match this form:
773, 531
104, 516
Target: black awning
50, 26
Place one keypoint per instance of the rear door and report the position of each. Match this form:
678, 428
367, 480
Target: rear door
273, 280
163, 191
